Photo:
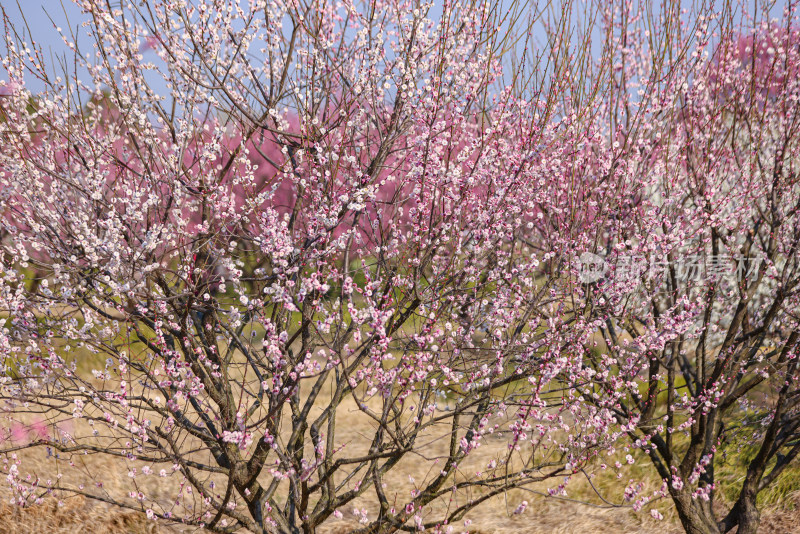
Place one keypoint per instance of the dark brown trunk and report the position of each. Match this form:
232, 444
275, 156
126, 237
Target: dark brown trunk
749, 517
695, 518
744, 514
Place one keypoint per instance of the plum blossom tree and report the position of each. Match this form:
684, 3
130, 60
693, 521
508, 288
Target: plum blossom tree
232, 230
697, 310
231, 226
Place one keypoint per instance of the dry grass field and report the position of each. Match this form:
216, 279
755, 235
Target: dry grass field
542, 516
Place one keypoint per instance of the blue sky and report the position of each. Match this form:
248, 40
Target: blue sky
43, 16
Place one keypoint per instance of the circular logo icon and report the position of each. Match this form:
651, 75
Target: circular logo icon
591, 267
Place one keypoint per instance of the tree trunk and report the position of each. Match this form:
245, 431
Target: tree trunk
695, 518
749, 517
744, 514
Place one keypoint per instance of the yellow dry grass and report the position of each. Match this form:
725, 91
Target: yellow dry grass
543, 515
